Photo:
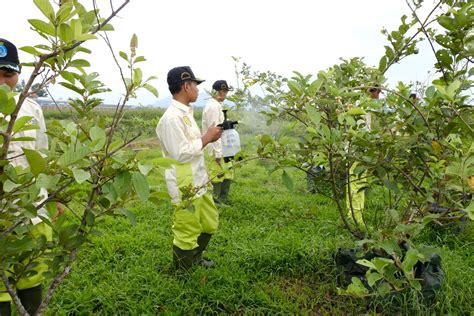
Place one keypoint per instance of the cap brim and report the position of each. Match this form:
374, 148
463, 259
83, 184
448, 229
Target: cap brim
7, 65
199, 81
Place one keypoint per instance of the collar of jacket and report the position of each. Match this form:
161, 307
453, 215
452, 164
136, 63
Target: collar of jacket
181, 106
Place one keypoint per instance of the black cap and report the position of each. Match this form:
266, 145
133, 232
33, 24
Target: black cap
9, 56
181, 74
375, 88
221, 85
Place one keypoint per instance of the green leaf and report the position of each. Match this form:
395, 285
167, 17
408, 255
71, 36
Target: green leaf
381, 263
366, 263
390, 185
470, 210
81, 175
7, 105
287, 181
66, 34
384, 289
373, 277
107, 27
31, 50
357, 288
139, 59
128, 214
446, 22
46, 181
140, 184
23, 139
85, 37
79, 63
314, 115
69, 76
390, 246
137, 76
35, 160
315, 86
98, 137
73, 156
90, 218
165, 162
20, 122
46, 8
411, 258
76, 26
453, 88
72, 87
123, 55
43, 27
383, 63
9, 186
151, 89
295, 88
144, 169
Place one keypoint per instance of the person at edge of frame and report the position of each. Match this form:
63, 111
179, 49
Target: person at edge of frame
29, 289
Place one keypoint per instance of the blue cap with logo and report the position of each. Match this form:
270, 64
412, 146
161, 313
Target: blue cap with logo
9, 56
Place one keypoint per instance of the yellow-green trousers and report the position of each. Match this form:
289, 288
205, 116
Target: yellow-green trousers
219, 173
41, 268
356, 183
189, 223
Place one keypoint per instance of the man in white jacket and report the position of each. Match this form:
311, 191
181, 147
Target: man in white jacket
28, 288
180, 138
213, 115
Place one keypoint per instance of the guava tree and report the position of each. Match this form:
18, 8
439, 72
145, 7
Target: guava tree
415, 155
87, 171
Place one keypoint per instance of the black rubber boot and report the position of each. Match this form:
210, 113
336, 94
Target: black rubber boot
31, 298
203, 241
217, 189
225, 191
183, 259
5, 309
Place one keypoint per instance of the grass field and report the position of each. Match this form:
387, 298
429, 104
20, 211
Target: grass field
274, 253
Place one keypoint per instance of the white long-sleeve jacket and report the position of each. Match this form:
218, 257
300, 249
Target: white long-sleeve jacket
180, 139
211, 116
32, 109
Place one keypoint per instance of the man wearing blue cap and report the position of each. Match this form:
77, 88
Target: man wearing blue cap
181, 139
28, 288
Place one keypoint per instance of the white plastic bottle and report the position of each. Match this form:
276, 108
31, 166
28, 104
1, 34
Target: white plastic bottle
230, 142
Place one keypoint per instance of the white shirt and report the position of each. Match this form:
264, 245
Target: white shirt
33, 109
211, 116
180, 139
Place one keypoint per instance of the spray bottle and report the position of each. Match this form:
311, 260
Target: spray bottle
230, 138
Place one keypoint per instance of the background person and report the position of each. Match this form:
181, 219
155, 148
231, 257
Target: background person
180, 139
355, 201
212, 115
29, 289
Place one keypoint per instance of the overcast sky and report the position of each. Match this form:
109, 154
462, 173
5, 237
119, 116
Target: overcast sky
276, 35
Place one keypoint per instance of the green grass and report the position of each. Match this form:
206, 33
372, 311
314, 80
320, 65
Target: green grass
273, 251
